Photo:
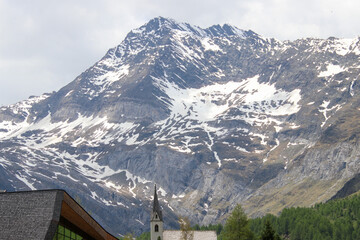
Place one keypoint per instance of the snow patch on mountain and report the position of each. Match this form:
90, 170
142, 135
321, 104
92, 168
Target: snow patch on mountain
25, 105
111, 76
331, 70
21, 108
98, 130
198, 104
343, 46
351, 90
104, 78
325, 110
209, 45
266, 98
25, 181
261, 103
179, 38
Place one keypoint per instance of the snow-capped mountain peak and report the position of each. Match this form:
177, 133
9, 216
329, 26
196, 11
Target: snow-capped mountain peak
214, 116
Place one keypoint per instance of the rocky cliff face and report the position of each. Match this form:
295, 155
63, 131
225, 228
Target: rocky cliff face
214, 116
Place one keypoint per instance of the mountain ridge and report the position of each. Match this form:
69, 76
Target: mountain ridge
213, 116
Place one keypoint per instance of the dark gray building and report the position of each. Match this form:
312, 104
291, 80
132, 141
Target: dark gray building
46, 214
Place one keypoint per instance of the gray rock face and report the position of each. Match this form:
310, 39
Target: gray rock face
214, 117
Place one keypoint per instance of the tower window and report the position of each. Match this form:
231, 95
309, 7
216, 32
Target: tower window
156, 228
159, 238
156, 216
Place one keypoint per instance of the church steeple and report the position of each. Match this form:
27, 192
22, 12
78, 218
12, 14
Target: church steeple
156, 213
156, 220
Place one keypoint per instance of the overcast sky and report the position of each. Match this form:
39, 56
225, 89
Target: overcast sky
45, 44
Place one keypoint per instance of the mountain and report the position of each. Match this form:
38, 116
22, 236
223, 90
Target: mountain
214, 117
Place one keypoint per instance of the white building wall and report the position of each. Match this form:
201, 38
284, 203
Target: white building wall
198, 235
154, 235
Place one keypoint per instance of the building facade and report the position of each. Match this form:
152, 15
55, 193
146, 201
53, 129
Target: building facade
156, 221
157, 231
198, 235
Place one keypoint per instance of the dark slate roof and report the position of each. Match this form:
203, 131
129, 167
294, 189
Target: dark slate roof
35, 215
156, 206
29, 215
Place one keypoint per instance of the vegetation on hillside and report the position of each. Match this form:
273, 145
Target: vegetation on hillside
334, 220
218, 228
338, 220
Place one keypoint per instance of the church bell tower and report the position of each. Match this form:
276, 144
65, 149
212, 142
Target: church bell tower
156, 221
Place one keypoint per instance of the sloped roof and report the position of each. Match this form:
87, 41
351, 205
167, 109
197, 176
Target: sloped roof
36, 214
29, 215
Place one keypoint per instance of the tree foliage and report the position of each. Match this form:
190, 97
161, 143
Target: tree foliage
334, 220
217, 228
268, 232
144, 236
237, 226
128, 236
186, 231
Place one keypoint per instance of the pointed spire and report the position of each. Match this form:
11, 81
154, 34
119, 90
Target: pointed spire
156, 207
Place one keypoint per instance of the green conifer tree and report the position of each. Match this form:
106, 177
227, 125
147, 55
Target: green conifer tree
268, 232
237, 226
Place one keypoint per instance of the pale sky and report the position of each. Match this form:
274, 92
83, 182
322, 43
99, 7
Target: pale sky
45, 44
